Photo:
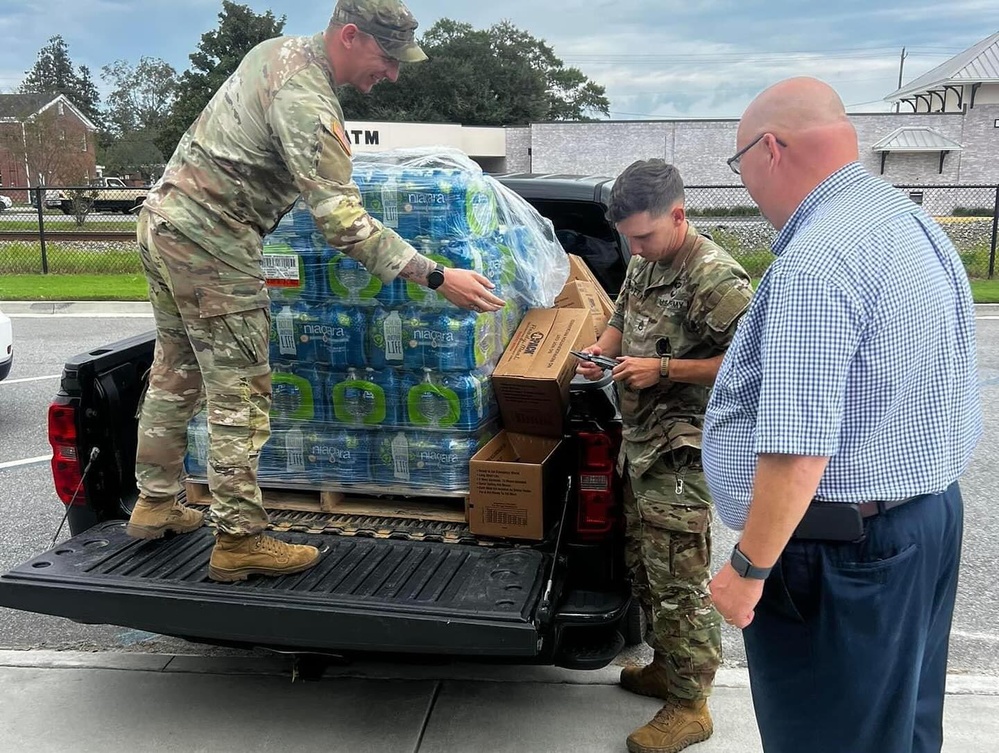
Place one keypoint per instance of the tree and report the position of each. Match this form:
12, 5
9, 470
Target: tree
140, 102
499, 76
53, 73
217, 57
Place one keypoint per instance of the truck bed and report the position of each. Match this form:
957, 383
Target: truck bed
366, 594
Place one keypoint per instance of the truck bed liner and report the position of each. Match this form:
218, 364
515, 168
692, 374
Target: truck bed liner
365, 593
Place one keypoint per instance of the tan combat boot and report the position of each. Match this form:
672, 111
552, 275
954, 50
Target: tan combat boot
153, 520
678, 724
238, 557
651, 680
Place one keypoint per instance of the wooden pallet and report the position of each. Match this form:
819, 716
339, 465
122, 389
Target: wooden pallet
342, 503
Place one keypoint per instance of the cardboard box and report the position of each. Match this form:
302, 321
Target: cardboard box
513, 491
531, 380
579, 272
580, 294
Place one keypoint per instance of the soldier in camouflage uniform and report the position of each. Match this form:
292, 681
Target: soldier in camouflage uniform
272, 132
676, 315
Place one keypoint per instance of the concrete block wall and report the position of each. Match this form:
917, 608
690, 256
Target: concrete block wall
699, 148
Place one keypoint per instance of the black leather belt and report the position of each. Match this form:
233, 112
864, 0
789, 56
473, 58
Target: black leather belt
840, 521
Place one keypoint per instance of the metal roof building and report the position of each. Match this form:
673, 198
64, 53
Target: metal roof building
969, 78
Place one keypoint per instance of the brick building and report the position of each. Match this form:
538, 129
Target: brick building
44, 139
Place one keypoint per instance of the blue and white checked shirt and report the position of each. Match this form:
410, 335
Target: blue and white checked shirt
858, 346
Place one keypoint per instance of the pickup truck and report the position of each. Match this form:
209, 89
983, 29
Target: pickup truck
384, 585
106, 194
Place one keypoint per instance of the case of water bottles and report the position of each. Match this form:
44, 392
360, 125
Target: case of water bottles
387, 387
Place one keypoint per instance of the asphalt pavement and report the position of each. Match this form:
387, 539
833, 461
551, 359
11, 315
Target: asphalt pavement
108, 688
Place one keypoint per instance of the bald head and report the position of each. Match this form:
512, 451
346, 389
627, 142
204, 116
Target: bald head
795, 105
804, 136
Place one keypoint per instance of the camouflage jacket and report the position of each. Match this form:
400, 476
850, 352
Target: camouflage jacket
694, 301
274, 130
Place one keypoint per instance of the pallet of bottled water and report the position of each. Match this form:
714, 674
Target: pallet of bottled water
386, 388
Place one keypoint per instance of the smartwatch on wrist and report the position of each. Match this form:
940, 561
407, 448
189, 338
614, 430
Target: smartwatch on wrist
436, 278
744, 567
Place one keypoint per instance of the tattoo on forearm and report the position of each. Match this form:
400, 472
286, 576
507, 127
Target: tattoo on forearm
418, 269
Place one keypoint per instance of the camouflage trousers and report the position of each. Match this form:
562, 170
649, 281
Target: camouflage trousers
668, 552
212, 332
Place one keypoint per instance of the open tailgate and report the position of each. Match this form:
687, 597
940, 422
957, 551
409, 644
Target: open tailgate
366, 594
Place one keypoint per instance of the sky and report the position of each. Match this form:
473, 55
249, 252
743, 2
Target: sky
656, 58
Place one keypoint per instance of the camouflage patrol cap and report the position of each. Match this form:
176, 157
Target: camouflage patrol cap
389, 21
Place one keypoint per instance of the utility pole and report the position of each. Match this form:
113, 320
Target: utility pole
901, 65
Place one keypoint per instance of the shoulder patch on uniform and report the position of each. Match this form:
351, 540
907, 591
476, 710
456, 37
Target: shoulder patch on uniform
337, 129
732, 305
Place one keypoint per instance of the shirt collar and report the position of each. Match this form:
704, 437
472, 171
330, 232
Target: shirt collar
839, 181
317, 44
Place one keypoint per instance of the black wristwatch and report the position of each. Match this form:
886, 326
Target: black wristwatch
436, 278
745, 568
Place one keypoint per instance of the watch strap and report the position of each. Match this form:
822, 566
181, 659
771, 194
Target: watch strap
745, 568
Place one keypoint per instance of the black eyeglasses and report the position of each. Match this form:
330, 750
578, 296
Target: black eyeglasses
734, 160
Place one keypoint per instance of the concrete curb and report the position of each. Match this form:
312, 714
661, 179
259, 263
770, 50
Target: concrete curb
735, 677
90, 309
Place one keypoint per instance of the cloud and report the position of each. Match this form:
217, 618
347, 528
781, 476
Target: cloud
657, 58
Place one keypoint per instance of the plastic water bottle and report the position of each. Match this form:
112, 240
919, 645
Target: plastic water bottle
442, 458
347, 331
365, 397
282, 458
283, 341
499, 264
467, 340
481, 208
341, 457
447, 401
296, 393
409, 191
394, 460
385, 339
196, 459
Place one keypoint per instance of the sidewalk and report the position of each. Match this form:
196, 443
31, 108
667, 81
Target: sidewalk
108, 702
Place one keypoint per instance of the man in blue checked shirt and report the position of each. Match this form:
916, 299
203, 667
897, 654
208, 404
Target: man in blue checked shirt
842, 416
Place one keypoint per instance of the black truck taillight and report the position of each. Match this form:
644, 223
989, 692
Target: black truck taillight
67, 473
596, 500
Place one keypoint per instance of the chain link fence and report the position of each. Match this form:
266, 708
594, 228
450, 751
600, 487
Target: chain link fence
69, 230
90, 230
968, 214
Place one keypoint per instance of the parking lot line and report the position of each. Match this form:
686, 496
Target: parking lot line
30, 379
26, 461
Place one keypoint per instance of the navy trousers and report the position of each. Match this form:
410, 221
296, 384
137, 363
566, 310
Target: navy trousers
848, 649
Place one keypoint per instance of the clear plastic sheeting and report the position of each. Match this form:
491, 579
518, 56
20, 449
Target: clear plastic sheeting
434, 194
386, 388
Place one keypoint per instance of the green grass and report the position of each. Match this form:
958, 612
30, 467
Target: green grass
129, 287
26, 259
985, 291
